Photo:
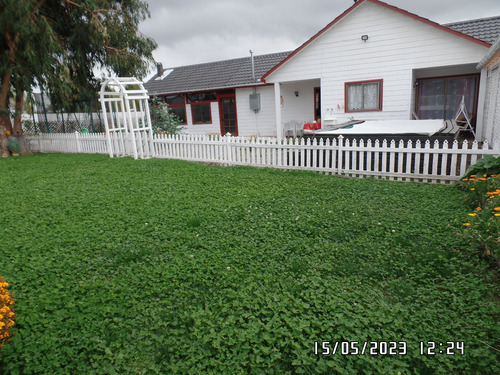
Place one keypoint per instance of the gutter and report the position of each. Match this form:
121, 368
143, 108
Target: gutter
243, 86
495, 48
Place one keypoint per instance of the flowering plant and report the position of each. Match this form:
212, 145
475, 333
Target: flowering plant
7, 316
483, 224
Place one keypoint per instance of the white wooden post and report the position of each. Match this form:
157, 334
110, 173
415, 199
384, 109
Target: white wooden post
77, 136
228, 149
277, 104
340, 158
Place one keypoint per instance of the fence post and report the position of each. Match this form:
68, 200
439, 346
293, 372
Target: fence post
228, 149
340, 158
78, 147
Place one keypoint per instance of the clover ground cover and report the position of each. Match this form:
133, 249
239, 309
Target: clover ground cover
159, 266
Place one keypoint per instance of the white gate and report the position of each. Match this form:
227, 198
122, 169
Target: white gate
125, 110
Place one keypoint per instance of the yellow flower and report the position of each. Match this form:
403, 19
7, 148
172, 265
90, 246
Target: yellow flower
467, 225
497, 215
472, 214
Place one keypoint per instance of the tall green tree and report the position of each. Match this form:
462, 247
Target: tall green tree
58, 44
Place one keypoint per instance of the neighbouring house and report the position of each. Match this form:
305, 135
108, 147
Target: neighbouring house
491, 112
373, 62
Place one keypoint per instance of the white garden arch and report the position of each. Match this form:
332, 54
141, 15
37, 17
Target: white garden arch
125, 109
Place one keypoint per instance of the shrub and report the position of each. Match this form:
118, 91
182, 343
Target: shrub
488, 165
14, 145
483, 224
7, 316
162, 120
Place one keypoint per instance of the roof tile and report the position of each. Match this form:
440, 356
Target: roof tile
485, 29
214, 75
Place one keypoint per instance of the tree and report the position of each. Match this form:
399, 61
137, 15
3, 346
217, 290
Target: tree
57, 45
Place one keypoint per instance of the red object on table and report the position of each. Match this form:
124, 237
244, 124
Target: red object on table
312, 125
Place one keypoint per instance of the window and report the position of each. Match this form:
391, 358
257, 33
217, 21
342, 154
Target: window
200, 107
440, 98
202, 113
363, 96
176, 105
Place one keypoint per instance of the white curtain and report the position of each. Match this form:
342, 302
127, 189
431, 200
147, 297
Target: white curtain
363, 97
370, 95
354, 97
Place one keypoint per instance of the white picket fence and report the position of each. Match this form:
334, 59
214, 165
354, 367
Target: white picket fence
403, 161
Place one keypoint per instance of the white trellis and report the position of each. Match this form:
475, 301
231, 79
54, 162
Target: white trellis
125, 110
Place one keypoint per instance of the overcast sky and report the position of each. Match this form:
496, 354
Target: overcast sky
196, 31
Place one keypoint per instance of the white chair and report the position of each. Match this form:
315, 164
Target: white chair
292, 128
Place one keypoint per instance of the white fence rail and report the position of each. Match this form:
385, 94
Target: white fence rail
427, 161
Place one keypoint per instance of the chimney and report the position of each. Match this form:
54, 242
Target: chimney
159, 69
253, 65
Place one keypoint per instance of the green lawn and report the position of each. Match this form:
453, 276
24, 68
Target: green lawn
121, 266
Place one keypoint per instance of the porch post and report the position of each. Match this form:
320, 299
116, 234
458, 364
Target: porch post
480, 105
277, 103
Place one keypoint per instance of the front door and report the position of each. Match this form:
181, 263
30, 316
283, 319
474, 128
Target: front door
228, 119
317, 103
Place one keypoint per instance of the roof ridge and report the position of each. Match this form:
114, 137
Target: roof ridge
228, 60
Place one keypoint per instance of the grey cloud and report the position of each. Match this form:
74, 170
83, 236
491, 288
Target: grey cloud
193, 31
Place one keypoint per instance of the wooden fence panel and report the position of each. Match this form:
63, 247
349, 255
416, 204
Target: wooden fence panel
411, 161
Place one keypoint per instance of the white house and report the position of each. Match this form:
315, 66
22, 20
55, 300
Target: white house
373, 62
491, 112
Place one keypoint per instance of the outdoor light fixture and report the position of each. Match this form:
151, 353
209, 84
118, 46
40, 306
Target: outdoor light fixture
297, 94
364, 38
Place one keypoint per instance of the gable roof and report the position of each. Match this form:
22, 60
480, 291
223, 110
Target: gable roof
485, 29
215, 75
392, 7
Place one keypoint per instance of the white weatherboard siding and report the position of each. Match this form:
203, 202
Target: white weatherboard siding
492, 106
298, 108
257, 124
397, 46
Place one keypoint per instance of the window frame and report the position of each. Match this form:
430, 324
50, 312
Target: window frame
194, 102
198, 104
472, 111
173, 105
380, 83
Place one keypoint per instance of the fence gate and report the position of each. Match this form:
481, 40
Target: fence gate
125, 110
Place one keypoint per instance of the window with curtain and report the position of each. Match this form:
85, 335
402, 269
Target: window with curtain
363, 96
439, 98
